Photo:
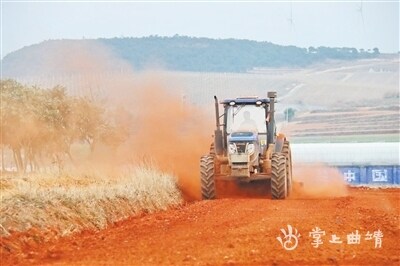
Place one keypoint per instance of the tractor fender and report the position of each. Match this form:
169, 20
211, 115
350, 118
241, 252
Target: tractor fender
280, 139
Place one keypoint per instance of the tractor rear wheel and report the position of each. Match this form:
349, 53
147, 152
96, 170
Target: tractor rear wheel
207, 177
278, 178
289, 173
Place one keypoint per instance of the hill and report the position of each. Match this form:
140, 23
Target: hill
178, 53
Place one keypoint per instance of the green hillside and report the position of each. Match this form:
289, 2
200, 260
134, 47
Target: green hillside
180, 53
228, 55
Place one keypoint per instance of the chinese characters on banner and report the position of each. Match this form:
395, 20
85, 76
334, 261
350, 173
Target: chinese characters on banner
368, 175
290, 239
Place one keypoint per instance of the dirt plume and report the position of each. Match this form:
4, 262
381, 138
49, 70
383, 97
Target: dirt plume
164, 130
317, 181
169, 133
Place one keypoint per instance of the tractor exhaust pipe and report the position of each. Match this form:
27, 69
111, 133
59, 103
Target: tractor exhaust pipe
271, 123
218, 139
216, 112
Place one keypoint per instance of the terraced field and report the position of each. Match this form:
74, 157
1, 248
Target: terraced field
359, 123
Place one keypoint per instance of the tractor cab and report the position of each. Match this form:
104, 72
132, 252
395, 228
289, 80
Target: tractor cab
246, 133
246, 122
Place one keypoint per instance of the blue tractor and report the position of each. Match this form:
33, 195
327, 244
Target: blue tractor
246, 149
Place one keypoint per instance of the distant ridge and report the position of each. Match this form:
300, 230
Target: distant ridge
179, 53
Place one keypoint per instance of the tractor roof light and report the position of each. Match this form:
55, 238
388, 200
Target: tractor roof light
258, 102
232, 103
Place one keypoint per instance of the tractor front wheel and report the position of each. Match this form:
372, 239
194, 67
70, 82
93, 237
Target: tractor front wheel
278, 178
207, 177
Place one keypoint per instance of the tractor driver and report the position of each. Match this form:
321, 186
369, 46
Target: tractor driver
248, 123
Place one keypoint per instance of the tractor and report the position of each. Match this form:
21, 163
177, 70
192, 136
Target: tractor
246, 148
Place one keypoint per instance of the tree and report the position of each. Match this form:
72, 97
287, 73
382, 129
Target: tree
312, 50
376, 51
33, 122
118, 127
54, 119
88, 121
289, 114
13, 100
43, 124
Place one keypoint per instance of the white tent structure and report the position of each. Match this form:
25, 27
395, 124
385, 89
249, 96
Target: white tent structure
337, 154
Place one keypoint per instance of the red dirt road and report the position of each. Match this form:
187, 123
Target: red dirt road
236, 231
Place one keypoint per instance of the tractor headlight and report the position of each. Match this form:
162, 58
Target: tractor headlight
250, 148
232, 148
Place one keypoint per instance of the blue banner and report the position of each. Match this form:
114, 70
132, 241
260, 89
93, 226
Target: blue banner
371, 175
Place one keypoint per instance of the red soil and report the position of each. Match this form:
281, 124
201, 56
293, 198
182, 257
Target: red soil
231, 231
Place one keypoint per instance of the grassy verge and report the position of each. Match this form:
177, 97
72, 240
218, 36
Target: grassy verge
72, 203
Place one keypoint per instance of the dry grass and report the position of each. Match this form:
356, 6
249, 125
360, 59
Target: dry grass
72, 203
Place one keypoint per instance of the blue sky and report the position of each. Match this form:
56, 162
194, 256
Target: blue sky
359, 24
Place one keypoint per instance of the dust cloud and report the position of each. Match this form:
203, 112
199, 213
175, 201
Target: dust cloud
164, 131
317, 181
171, 134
